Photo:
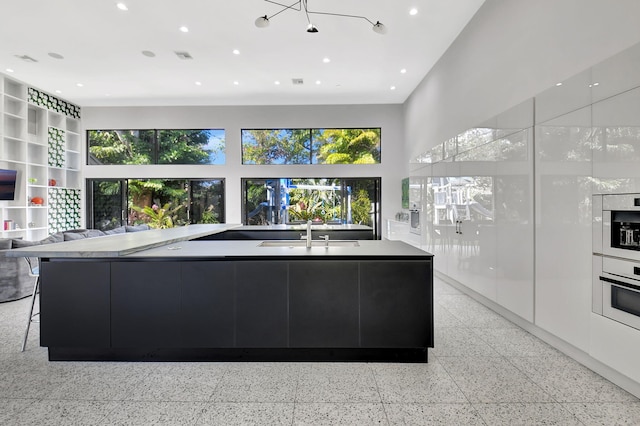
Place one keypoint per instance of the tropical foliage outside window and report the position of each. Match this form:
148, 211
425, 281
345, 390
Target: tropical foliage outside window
311, 146
322, 200
161, 203
135, 147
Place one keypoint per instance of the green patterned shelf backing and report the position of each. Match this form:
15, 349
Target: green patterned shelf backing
56, 147
52, 103
64, 209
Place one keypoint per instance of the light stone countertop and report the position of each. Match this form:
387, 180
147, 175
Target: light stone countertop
302, 227
175, 242
120, 244
251, 248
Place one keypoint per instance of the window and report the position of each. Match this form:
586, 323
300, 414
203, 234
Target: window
326, 200
134, 147
311, 146
115, 202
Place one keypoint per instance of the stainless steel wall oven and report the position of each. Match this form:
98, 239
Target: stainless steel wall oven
616, 257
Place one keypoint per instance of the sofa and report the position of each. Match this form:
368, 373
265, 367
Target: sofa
15, 282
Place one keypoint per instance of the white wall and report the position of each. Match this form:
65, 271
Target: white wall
510, 51
513, 50
233, 119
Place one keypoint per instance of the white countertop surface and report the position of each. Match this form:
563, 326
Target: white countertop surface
302, 227
251, 248
175, 242
120, 244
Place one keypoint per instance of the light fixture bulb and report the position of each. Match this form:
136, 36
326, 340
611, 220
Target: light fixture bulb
122, 6
413, 12
262, 22
184, 29
312, 28
379, 28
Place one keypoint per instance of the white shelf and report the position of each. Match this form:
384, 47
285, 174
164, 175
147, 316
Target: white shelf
17, 117
24, 146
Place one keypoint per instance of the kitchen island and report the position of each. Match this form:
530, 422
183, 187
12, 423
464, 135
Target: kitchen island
190, 299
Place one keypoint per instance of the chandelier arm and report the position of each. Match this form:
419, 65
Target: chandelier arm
286, 7
343, 15
306, 11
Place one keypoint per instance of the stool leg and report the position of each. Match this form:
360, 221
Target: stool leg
33, 301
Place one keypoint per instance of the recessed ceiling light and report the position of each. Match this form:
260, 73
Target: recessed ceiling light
413, 11
403, 71
79, 84
236, 52
122, 6
236, 83
277, 83
392, 87
596, 84
184, 29
318, 82
198, 83
558, 84
148, 54
9, 70
55, 55
58, 91
326, 60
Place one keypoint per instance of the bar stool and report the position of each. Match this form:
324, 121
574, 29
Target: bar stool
34, 272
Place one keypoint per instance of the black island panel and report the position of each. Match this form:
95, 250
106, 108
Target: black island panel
75, 304
324, 304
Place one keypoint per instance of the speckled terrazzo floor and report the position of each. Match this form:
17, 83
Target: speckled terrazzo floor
484, 370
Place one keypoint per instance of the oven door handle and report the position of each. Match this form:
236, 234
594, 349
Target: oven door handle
620, 283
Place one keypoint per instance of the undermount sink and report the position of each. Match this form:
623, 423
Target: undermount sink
314, 243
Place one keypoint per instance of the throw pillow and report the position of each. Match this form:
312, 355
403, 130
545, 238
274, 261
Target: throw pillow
137, 228
72, 236
91, 233
5, 243
23, 243
58, 237
118, 230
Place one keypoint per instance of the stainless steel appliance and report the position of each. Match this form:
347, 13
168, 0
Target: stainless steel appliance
621, 225
414, 218
616, 260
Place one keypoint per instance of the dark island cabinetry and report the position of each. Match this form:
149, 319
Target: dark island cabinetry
245, 309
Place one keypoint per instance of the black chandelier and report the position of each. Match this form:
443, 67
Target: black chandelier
263, 21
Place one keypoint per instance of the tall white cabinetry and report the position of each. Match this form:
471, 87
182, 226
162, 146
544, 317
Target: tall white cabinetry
41, 140
478, 214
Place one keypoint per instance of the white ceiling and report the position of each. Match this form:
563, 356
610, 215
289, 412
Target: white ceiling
102, 49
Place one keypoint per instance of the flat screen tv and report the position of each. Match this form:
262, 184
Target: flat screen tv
8, 184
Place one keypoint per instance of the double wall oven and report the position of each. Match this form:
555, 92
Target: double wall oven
616, 257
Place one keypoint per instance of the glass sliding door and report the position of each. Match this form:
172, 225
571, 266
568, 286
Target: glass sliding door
115, 202
206, 203
107, 203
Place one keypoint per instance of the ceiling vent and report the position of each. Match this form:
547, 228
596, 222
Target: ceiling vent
297, 81
184, 55
26, 58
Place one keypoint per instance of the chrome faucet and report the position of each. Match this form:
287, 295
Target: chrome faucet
308, 235
326, 240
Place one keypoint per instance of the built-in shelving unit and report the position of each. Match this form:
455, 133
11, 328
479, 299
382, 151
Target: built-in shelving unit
40, 138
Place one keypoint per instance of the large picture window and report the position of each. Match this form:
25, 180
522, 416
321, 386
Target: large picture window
273, 201
311, 146
115, 202
135, 147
